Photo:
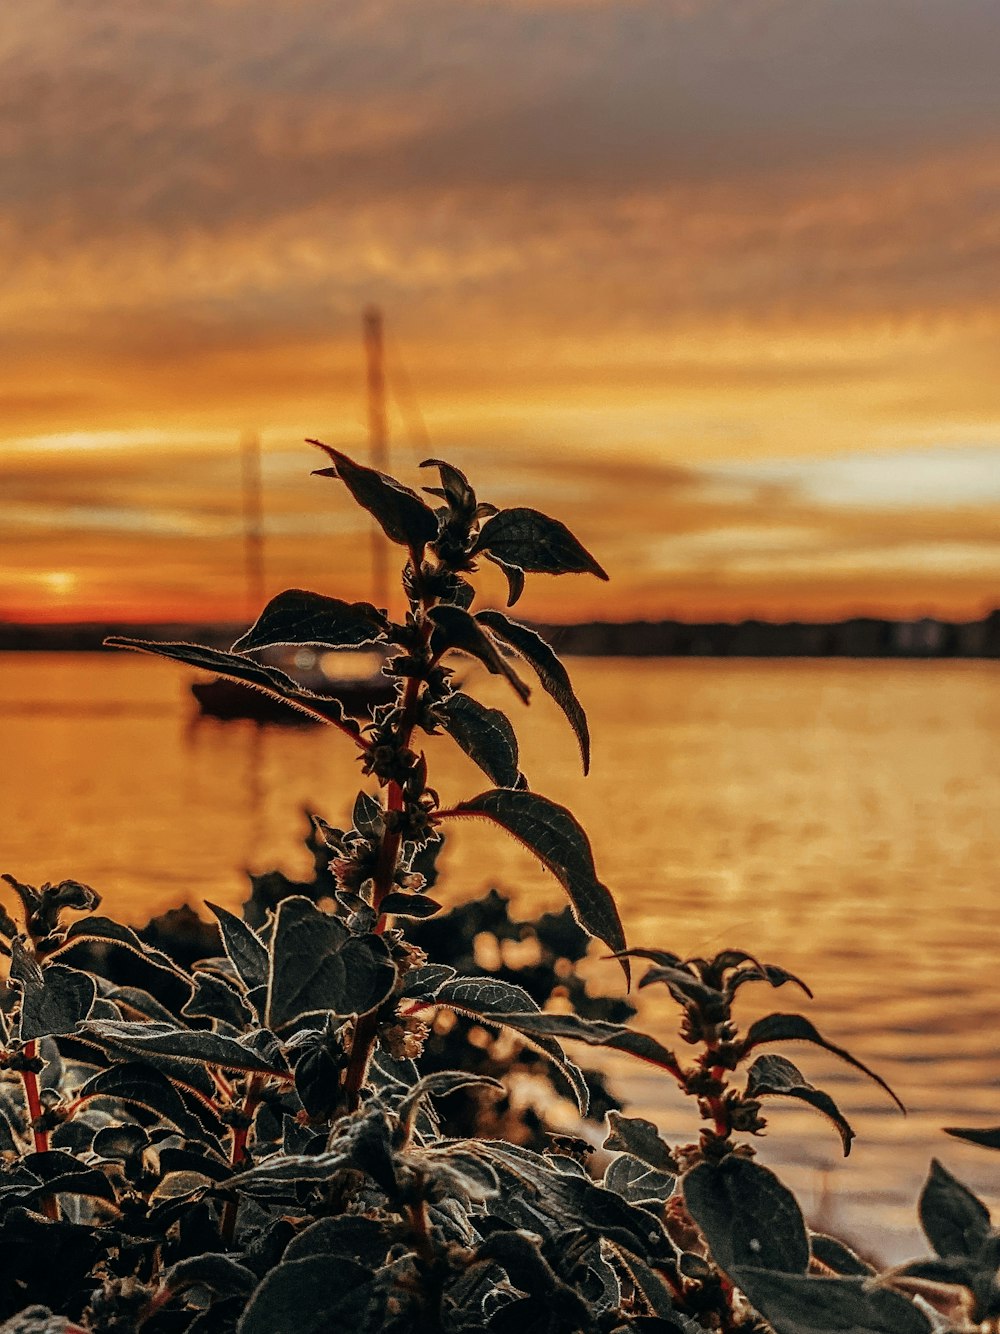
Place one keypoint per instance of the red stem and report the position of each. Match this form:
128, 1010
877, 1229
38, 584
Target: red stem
49, 1203
366, 1029
238, 1152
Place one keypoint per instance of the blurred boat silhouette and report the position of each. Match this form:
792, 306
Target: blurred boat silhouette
230, 701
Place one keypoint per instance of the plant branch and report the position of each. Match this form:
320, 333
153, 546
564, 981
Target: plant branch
238, 1151
49, 1203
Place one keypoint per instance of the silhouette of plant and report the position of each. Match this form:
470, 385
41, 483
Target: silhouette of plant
253, 1143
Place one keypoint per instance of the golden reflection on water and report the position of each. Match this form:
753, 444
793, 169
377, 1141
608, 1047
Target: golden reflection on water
837, 818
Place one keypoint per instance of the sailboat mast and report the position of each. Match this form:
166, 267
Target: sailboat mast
378, 439
253, 524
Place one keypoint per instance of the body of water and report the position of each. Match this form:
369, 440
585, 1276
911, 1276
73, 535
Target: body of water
838, 818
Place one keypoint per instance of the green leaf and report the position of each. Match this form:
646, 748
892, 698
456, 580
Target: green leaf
363, 1240
637, 1182
439, 1085
215, 999
306, 1297
529, 1185
775, 1075
183, 1043
796, 1028
104, 931
532, 541
54, 999
656, 1294
244, 948
559, 841
485, 735
300, 617
506, 1005
455, 486
515, 579
418, 906
747, 1216
551, 673
597, 1033
795, 1304
401, 514
640, 1138
682, 983
142, 1085
954, 1220
455, 628
61, 1173
234, 667
218, 1273
318, 967
838, 1257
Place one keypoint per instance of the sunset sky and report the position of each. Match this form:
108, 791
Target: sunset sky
715, 281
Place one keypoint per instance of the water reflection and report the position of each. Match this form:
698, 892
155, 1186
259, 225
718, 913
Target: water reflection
838, 818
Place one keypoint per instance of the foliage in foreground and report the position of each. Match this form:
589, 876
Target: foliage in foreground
254, 1145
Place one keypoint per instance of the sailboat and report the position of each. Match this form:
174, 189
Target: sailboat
229, 700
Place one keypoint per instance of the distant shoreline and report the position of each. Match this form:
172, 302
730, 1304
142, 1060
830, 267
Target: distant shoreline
857, 637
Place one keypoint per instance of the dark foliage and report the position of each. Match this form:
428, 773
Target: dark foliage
255, 1130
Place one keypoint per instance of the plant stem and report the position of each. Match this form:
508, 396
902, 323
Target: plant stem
49, 1203
366, 1029
238, 1152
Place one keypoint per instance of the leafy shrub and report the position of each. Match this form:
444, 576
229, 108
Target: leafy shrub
253, 1143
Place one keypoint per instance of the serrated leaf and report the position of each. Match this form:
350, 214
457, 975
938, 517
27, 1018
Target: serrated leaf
655, 1292
571, 1201
297, 616
954, 1220
796, 1304
598, 1033
553, 834
439, 1085
796, 1028
514, 576
838, 1257
763, 972
486, 736
183, 1044
504, 1004
681, 982
423, 983
244, 948
455, 486
640, 1138
747, 1216
363, 1240
532, 541
143, 1086
215, 999
637, 1182
401, 514
248, 672
455, 628
368, 816
775, 1075
104, 931
302, 1297
319, 967
54, 999
219, 1273
61, 1173
551, 673
417, 906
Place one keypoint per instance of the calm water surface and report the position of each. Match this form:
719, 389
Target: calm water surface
837, 818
